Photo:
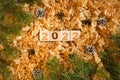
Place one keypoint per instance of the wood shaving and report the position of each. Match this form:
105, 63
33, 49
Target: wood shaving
0, 77
74, 12
1, 47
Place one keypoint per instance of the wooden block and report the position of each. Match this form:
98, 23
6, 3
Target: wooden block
59, 35
64, 35
54, 35
75, 35
44, 36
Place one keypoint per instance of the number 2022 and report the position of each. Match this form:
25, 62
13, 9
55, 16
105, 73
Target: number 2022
59, 35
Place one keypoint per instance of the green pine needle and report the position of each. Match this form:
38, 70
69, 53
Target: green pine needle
5, 72
12, 19
116, 38
81, 70
111, 65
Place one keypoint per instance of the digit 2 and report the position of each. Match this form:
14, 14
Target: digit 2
75, 35
64, 35
44, 35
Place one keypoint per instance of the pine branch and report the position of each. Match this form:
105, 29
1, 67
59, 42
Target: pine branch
12, 19
111, 65
30, 1
84, 69
81, 70
116, 38
6, 74
111, 57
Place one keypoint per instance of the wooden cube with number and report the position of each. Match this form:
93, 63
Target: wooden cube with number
75, 35
54, 36
64, 35
44, 36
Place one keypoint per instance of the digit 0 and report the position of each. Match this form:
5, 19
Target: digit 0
54, 35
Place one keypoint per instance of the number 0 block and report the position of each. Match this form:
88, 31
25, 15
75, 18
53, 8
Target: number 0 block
64, 35
44, 35
75, 35
54, 36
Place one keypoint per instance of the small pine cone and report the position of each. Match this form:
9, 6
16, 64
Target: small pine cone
101, 21
90, 49
40, 12
86, 22
37, 72
31, 52
60, 15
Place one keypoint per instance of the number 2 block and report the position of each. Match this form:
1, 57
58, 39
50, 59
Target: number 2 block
75, 35
64, 35
44, 35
